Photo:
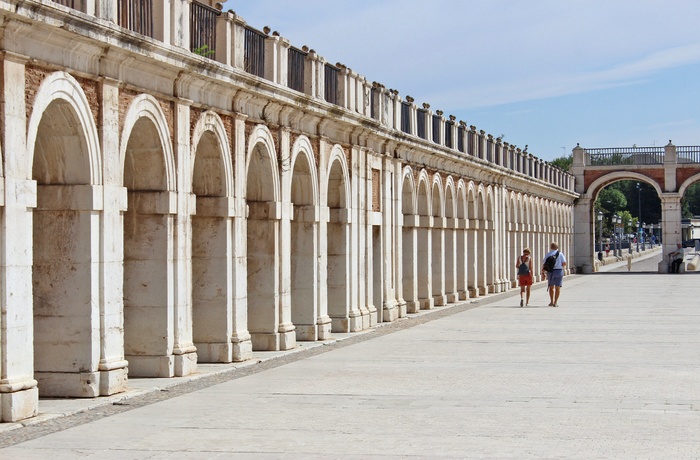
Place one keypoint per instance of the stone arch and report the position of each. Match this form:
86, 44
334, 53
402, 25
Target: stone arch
409, 226
149, 175
212, 168
261, 157
492, 268
262, 236
424, 240
461, 246
65, 161
597, 185
481, 236
81, 165
146, 134
449, 255
338, 240
213, 318
472, 193
301, 186
687, 183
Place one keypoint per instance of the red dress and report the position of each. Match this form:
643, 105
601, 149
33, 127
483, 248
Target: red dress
525, 280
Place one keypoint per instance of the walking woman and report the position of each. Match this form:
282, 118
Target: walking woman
524, 266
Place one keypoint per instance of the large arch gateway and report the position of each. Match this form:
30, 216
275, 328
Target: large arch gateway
161, 208
670, 170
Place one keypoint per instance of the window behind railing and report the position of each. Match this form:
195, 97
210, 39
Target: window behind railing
296, 59
436, 129
203, 29
420, 125
69, 3
136, 15
460, 138
331, 84
448, 134
254, 54
406, 117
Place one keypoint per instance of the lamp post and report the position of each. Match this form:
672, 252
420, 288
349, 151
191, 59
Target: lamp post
639, 213
614, 221
600, 233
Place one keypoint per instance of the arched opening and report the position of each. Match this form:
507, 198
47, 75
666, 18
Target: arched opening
212, 255
337, 250
492, 269
304, 252
437, 247
148, 255
623, 214
461, 245
66, 259
408, 256
423, 242
472, 245
262, 250
482, 262
449, 252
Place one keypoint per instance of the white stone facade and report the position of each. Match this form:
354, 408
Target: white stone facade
160, 208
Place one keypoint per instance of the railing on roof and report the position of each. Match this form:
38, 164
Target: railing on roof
625, 156
203, 29
254, 52
136, 15
688, 154
331, 83
68, 3
296, 60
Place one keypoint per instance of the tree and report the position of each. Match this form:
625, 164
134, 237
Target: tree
564, 162
611, 200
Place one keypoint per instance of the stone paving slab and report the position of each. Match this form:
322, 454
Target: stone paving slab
612, 373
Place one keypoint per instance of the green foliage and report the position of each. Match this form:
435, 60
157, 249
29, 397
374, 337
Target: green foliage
564, 162
691, 201
204, 50
611, 200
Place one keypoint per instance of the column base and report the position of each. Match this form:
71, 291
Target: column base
288, 340
265, 341
151, 366
473, 293
452, 297
427, 304
440, 300
463, 295
306, 332
357, 322
242, 351
390, 312
412, 306
19, 405
323, 327
219, 352
185, 364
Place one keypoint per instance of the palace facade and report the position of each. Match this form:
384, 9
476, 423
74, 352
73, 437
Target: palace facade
179, 187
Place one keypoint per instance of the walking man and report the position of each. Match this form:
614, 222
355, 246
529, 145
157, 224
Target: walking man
553, 265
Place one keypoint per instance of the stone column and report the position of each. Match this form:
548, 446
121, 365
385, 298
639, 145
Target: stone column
671, 216
19, 395
113, 366
583, 255
184, 351
242, 344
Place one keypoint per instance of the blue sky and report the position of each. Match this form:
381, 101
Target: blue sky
544, 73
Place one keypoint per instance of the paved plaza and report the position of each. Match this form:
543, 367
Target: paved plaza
613, 373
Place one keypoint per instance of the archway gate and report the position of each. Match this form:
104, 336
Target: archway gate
670, 170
